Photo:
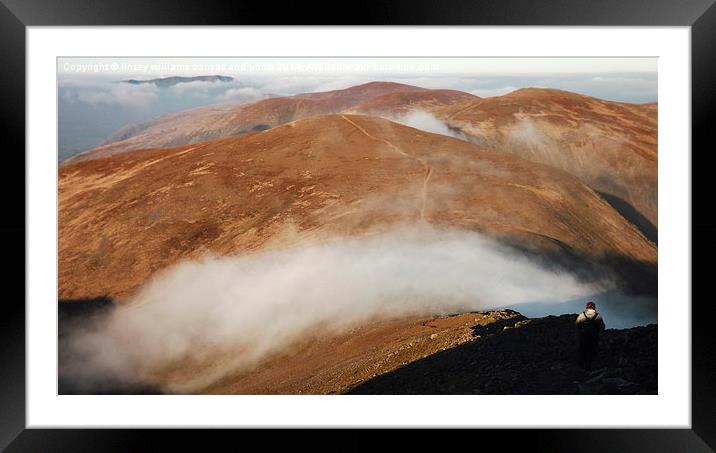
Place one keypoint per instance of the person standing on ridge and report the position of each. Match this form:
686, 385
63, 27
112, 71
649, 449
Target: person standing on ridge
589, 325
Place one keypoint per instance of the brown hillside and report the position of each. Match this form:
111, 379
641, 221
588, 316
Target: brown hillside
123, 218
611, 146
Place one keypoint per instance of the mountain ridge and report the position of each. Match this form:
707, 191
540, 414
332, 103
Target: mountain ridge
213, 122
484, 352
165, 82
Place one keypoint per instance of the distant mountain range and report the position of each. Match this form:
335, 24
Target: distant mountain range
610, 146
165, 82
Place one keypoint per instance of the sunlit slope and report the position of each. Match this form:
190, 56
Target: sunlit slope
125, 217
610, 146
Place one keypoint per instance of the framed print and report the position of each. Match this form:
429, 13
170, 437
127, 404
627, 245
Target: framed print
419, 222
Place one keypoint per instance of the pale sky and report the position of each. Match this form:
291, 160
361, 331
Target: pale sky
163, 67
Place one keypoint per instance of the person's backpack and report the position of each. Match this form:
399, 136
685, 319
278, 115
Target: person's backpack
589, 326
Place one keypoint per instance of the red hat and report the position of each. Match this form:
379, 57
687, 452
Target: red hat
591, 305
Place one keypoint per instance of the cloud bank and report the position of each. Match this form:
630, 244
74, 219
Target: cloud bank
222, 315
427, 122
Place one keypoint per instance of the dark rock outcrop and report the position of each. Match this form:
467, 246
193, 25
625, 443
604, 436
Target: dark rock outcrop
535, 356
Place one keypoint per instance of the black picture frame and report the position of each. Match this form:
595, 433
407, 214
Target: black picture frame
16, 15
